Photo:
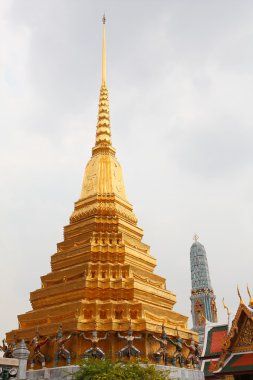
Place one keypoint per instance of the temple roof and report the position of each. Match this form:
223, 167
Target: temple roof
238, 362
215, 336
229, 351
208, 367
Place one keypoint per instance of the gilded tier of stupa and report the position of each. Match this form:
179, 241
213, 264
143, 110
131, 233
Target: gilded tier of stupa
102, 273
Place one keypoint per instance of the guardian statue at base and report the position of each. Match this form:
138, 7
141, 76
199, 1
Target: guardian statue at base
129, 350
94, 351
62, 351
177, 356
193, 356
162, 352
37, 356
8, 348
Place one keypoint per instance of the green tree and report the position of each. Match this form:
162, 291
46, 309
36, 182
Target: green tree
93, 369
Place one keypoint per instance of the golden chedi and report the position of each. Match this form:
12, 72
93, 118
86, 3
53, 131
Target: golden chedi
102, 273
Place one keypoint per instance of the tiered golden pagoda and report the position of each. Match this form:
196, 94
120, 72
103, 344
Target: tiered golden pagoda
102, 273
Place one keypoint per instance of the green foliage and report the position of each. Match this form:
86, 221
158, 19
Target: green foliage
93, 369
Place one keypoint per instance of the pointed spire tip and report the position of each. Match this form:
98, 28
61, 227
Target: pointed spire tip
195, 237
103, 54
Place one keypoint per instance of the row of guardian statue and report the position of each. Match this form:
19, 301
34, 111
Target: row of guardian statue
129, 350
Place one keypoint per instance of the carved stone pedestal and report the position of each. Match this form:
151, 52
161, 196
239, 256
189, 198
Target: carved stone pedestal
66, 373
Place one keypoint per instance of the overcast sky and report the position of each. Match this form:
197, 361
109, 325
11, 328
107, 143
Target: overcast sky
180, 79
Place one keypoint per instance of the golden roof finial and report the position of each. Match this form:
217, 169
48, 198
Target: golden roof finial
228, 313
239, 295
104, 54
195, 237
250, 297
249, 292
225, 307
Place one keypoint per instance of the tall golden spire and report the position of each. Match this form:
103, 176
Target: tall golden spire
103, 173
103, 134
102, 273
